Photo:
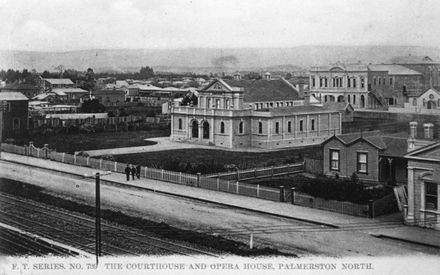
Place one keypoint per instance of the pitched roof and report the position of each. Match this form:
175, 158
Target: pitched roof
265, 90
59, 81
12, 96
20, 86
61, 91
393, 69
387, 145
344, 67
415, 153
412, 59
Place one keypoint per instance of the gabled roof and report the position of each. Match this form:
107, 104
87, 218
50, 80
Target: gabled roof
428, 91
420, 154
387, 145
265, 90
59, 81
12, 96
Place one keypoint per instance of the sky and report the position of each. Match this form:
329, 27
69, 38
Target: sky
62, 25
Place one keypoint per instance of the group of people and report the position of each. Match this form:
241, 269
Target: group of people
134, 171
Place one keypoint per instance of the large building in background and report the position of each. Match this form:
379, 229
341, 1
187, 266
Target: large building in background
234, 114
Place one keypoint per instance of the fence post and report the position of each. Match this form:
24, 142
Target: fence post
236, 187
238, 174
100, 164
272, 171
180, 177
281, 193
38, 153
161, 174
74, 159
87, 161
63, 157
116, 167
198, 179
146, 168
292, 190
218, 184
258, 190
370, 209
46, 149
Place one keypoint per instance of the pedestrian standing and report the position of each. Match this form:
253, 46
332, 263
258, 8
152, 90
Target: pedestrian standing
138, 171
127, 172
133, 171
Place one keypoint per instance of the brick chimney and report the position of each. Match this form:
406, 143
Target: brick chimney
413, 129
428, 130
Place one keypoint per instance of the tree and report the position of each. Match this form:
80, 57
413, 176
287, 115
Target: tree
46, 74
89, 83
92, 106
146, 72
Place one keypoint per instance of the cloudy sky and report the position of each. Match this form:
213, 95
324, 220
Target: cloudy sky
61, 25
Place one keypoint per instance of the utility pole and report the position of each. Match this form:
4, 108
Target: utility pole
97, 176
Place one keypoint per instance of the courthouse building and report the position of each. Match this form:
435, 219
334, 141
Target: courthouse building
227, 116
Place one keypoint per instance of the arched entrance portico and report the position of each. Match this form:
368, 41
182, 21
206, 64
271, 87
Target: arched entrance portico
195, 129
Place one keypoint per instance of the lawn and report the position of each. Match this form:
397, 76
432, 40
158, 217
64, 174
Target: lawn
70, 143
208, 161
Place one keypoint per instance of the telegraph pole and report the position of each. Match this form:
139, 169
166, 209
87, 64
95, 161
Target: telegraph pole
97, 176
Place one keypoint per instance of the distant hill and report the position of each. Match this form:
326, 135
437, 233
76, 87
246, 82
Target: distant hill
206, 60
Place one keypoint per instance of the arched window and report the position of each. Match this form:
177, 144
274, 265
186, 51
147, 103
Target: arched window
289, 126
348, 99
260, 127
354, 99
217, 103
222, 127
180, 124
208, 105
240, 127
227, 103
277, 127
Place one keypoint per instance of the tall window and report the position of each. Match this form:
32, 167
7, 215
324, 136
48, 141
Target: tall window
374, 81
16, 124
208, 105
240, 127
362, 163
391, 81
301, 125
320, 82
362, 82
277, 127
431, 196
222, 127
334, 160
313, 82
289, 126
348, 82
217, 103
325, 82
354, 99
312, 125
354, 82
180, 124
260, 127
227, 103
349, 99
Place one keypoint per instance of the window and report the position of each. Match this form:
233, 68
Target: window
362, 82
431, 196
374, 81
222, 127
313, 82
348, 82
289, 126
325, 82
217, 103
301, 125
16, 124
277, 127
260, 127
354, 82
180, 124
354, 99
240, 127
312, 125
208, 105
349, 99
320, 82
362, 166
414, 101
391, 81
227, 103
334, 160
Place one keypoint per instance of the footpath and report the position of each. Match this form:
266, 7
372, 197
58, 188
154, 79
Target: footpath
388, 226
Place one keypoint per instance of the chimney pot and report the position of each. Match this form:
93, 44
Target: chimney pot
428, 130
413, 129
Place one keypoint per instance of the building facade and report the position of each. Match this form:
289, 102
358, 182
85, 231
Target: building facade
223, 118
14, 113
371, 156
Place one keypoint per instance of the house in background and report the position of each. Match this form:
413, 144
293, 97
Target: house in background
28, 90
423, 100
372, 156
14, 113
51, 83
110, 97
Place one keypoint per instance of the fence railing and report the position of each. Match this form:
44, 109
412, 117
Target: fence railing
242, 175
373, 209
